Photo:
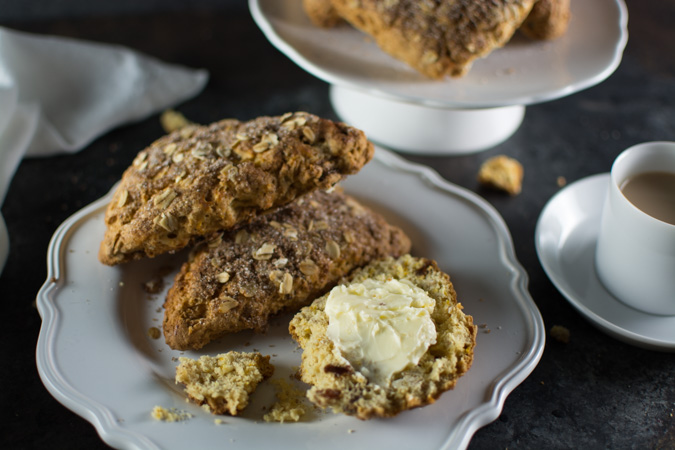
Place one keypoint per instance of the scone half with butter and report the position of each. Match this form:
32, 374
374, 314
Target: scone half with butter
389, 338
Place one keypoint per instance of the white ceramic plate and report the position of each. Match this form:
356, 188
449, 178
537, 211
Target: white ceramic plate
94, 354
523, 72
565, 239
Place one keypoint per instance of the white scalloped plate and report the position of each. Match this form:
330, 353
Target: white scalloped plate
523, 72
94, 354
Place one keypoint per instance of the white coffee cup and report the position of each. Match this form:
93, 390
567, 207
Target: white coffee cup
635, 255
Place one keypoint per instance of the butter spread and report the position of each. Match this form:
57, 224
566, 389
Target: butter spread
380, 327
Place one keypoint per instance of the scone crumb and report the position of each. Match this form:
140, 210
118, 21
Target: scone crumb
561, 181
502, 172
350, 431
289, 406
154, 332
560, 334
153, 286
169, 415
219, 421
172, 120
223, 382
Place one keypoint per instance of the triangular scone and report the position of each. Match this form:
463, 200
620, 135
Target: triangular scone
337, 385
437, 38
283, 260
202, 179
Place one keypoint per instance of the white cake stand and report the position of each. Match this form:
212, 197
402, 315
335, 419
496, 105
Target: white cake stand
403, 110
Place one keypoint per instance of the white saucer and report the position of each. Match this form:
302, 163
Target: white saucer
565, 240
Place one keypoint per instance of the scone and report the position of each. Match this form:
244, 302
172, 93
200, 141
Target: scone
282, 261
547, 20
437, 38
321, 13
223, 382
389, 357
202, 179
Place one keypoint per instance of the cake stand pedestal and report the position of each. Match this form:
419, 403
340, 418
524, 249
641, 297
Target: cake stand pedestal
420, 129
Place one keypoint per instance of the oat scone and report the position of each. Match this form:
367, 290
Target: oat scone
282, 261
202, 179
321, 13
223, 382
437, 38
547, 20
336, 383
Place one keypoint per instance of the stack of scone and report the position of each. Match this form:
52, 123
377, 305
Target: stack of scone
270, 231
443, 37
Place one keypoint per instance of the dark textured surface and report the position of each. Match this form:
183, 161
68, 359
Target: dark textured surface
594, 392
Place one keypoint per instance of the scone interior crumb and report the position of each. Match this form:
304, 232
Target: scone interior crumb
289, 406
223, 382
169, 415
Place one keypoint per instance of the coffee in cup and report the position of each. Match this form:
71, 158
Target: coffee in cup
635, 254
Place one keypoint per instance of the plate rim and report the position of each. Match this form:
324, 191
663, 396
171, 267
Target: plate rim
298, 58
618, 332
113, 434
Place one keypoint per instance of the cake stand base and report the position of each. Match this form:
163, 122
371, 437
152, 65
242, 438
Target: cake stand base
414, 128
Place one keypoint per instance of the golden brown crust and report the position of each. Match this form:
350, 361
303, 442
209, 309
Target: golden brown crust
282, 261
437, 38
201, 179
547, 20
321, 13
339, 387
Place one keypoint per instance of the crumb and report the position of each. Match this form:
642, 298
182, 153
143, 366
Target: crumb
561, 181
289, 406
153, 286
169, 415
560, 333
502, 172
350, 431
219, 421
173, 120
482, 325
121, 283
154, 332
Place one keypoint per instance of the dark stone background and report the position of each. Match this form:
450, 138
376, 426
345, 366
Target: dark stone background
593, 392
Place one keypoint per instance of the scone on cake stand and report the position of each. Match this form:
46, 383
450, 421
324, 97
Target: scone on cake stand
403, 110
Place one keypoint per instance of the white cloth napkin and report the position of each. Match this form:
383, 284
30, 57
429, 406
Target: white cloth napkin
58, 94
